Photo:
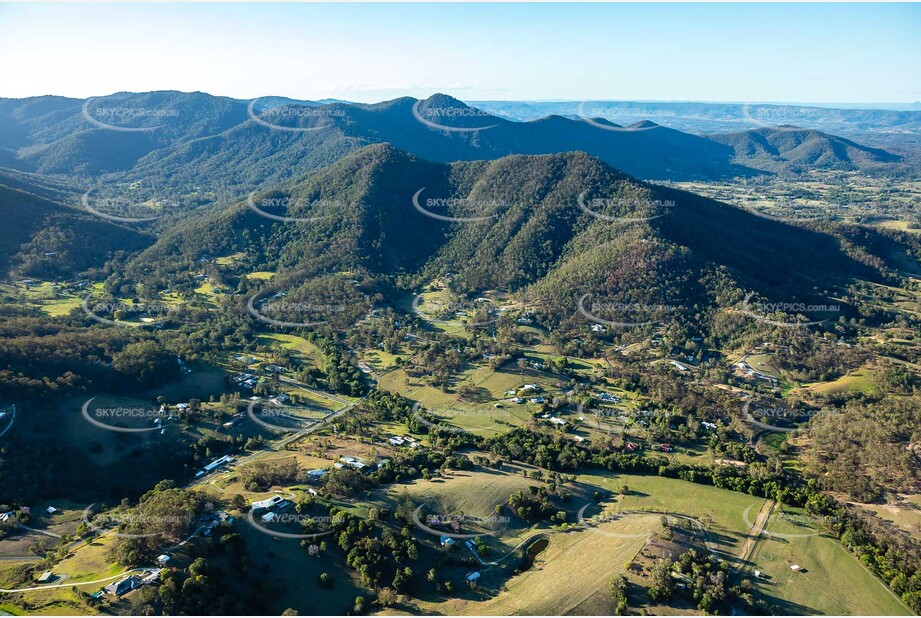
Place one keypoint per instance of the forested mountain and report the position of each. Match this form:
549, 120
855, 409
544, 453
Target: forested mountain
44, 238
797, 150
556, 226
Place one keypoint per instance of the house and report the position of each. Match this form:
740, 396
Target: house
446, 541
281, 399
217, 463
51, 510
537, 400
472, 577
598, 328
666, 448
557, 421
396, 441
630, 447
124, 586
45, 577
7, 516
268, 517
151, 578
268, 502
518, 400
352, 462
710, 426
529, 387
680, 366
316, 475
163, 559
274, 369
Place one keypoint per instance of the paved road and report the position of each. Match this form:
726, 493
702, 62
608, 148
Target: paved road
71, 584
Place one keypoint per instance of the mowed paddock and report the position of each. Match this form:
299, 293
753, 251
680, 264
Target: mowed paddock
831, 580
570, 576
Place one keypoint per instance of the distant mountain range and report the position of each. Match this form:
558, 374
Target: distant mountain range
882, 127
196, 142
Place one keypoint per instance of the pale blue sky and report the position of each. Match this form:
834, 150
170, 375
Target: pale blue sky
370, 52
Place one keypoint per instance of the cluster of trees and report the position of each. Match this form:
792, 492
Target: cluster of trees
164, 515
536, 505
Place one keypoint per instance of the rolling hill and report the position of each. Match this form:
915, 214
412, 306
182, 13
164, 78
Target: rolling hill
791, 149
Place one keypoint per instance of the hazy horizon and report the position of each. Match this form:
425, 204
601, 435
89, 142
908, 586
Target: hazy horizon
842, 54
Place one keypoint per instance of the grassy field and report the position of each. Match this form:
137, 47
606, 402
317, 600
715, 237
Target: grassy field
863, 380
260, 274
569, 577
831, 581
477, 413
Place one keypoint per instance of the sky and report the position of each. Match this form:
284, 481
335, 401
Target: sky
817, 53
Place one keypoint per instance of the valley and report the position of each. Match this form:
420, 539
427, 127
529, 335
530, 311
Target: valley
359, 364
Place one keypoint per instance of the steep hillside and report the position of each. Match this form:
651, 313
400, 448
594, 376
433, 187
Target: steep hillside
50, 240
556, 226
